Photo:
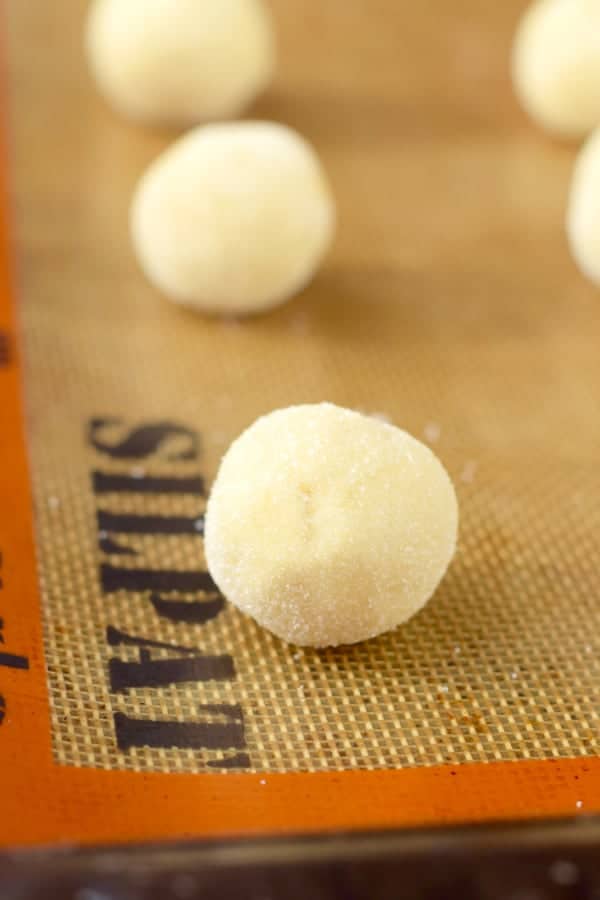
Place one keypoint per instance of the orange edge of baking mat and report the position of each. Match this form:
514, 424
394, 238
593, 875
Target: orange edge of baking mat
43, 803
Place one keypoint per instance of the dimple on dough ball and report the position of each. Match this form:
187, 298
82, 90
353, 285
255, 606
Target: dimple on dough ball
583, 211
556, 65
180, 61
327, 526
233, 218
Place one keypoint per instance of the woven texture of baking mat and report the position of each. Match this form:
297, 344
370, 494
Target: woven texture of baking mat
448, 304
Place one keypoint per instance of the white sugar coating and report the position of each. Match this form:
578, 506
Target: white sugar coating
432, 432
556, 65
233, 218
469, 471
328, 526
583, 210
180, 61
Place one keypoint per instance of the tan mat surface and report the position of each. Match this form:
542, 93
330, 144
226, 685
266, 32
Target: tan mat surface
449, 304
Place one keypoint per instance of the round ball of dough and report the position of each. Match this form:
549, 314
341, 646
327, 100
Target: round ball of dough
556, 65
233, 218
329, 527
583, 211
180, 61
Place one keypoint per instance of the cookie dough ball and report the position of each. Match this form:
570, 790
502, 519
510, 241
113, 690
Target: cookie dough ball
556, 65
233, 218
583, 212
180, 61
329, 527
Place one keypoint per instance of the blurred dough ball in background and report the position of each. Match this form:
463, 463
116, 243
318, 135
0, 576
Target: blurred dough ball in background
180, 62
583, 212
328, 526
233, 218
556, 65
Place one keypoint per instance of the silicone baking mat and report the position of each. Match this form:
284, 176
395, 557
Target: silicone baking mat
137, 703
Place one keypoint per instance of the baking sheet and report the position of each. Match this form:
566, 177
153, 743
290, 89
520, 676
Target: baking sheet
448, 304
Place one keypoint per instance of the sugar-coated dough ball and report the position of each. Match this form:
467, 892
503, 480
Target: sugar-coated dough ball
327, 526
180, 61
556, 65
233, 218
583, 211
